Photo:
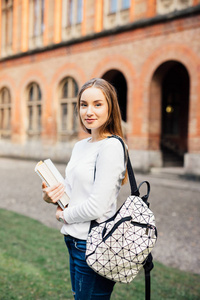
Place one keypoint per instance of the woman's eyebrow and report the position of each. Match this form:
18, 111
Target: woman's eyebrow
98, 100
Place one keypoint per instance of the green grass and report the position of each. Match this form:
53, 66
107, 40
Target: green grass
34, 265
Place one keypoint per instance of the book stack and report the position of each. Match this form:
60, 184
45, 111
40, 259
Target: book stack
50, 174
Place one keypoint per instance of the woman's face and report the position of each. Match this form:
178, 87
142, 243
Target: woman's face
93, 109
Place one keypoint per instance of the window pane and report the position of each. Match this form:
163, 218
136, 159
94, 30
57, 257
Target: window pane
8, 14
75, 123
125, 4
38, 17
42, 17
30, 97
79, 11
8, 119
64, 116
39, 115
8, 97
36, 14
30, 114
3, 96
39, 94
1, 118
70, 12
5, 110
65, 90
75, 88
113, 6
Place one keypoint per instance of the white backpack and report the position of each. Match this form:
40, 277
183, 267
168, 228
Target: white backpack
119, 247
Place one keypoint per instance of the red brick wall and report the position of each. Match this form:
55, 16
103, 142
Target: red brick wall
137, 54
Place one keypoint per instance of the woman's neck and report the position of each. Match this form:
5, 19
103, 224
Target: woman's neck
95, 137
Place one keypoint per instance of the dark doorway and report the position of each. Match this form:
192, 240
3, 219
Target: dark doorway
175, 106
117, 79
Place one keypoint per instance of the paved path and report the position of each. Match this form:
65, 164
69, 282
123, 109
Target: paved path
176, 204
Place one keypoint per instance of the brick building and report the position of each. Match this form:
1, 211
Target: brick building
148, 49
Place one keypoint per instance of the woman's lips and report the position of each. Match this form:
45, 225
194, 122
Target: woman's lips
90, 120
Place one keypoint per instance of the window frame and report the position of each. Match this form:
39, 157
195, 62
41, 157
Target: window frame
72, 18
34, 108
36, 23
118, 15
5, 112
68, 128
7, 26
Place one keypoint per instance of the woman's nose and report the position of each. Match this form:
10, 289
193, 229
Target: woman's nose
89, 110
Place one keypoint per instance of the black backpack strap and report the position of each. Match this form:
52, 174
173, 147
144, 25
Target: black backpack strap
148, 266
147, 285
132, 181
145, 197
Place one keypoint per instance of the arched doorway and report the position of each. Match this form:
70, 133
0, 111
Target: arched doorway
175, 106
170, 100
117, 79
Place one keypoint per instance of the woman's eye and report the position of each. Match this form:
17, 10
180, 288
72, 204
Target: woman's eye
83, 105
98, 104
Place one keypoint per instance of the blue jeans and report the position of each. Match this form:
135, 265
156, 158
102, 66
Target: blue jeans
86, 284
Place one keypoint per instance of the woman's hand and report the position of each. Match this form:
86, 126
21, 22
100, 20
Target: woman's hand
60, 215
54, 193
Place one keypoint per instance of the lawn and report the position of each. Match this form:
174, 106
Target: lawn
34, 265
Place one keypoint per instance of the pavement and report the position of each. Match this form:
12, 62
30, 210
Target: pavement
175, 202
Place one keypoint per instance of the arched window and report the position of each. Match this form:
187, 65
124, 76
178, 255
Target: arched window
7, 26
34, 106
5, 113
68, 123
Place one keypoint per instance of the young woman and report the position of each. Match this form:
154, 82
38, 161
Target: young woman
94, 176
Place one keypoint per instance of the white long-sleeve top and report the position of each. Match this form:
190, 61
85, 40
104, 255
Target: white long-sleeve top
93, 180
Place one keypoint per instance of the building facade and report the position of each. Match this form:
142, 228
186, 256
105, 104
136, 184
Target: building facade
148, 49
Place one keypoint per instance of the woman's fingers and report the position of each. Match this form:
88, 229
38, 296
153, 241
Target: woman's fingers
54, 193
44, 185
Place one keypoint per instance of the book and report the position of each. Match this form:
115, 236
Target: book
50, 174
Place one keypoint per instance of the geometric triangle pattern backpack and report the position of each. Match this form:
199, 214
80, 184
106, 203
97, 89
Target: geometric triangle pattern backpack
120, 246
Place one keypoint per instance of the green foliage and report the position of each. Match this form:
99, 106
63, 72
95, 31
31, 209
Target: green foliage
34, 265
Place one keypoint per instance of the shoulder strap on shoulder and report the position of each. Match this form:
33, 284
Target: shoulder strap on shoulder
132, 181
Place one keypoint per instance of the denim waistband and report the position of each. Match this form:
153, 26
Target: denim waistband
73, 238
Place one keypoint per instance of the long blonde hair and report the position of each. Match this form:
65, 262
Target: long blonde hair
113, 123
